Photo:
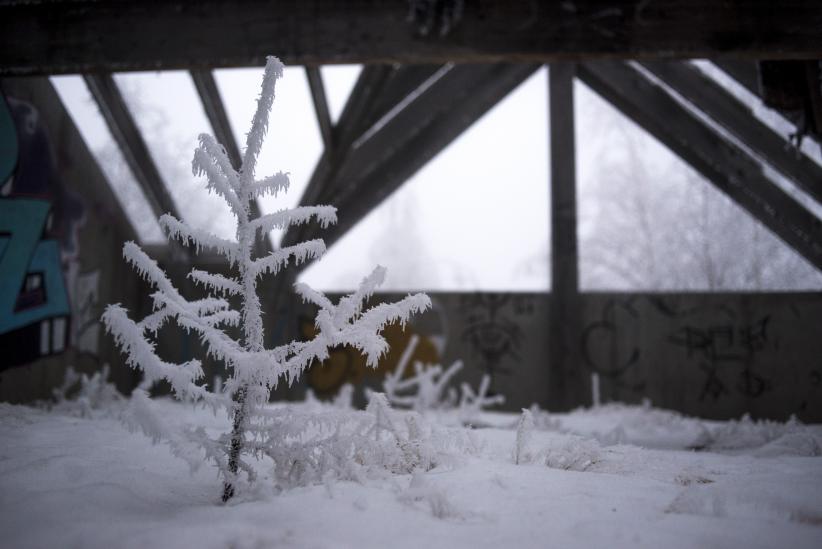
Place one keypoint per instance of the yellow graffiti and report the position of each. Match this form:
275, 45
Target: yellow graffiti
347, 365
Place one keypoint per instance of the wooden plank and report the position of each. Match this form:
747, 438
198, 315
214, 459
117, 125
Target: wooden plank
725, 165
315, 85
739, 120
564, 269
568, 385
215, 112
78, 36
377, 90
744, 72
349, 126
131, 142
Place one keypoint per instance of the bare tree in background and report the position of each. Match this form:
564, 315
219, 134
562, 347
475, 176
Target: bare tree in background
652, 223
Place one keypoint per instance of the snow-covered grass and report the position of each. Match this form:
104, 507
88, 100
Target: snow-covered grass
83, 480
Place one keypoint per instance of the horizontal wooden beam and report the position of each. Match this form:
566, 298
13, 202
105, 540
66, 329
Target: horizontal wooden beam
741, 122
722, 163
745, 73
76, 36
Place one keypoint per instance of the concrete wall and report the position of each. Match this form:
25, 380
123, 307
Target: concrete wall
709, 355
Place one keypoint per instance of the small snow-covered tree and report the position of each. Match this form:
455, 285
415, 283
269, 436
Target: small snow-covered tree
254, 371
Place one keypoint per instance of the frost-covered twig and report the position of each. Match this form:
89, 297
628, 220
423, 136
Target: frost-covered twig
525, 429
427, 388
472, 403
83, 395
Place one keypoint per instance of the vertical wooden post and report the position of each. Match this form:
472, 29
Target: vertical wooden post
568, 384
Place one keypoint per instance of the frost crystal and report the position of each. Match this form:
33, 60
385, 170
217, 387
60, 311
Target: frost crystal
254, 371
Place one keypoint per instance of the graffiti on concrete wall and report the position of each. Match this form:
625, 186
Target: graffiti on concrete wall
45, 301
609, 347
492, 328
721, 347
720, 350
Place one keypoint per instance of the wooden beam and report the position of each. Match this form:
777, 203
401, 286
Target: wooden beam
745, 73
360, 101
215, 112
748, 74
315, 85
724, 164
131, 142
568, 386
402, 82
78, 36
740, 121
378, 90
410, 137
564, 269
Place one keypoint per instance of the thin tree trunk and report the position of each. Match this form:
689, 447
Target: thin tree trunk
237, 432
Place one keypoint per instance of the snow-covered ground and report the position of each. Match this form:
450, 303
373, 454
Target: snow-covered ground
613, 476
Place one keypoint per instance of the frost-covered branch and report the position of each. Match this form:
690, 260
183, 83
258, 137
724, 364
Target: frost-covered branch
141, 354
472, 403
216, 282
217, 156
310, 295
276, 260
283, 219
271, 185
211, 160
199, 238
259, 125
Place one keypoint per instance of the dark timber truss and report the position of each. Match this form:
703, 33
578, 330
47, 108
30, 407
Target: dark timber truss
76, 36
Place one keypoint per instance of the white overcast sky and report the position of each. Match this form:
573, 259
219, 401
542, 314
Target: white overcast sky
474, 218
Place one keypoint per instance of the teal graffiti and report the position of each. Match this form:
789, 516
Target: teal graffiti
24, 253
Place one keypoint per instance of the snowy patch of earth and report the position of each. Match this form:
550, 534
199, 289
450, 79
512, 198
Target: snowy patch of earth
69, 481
